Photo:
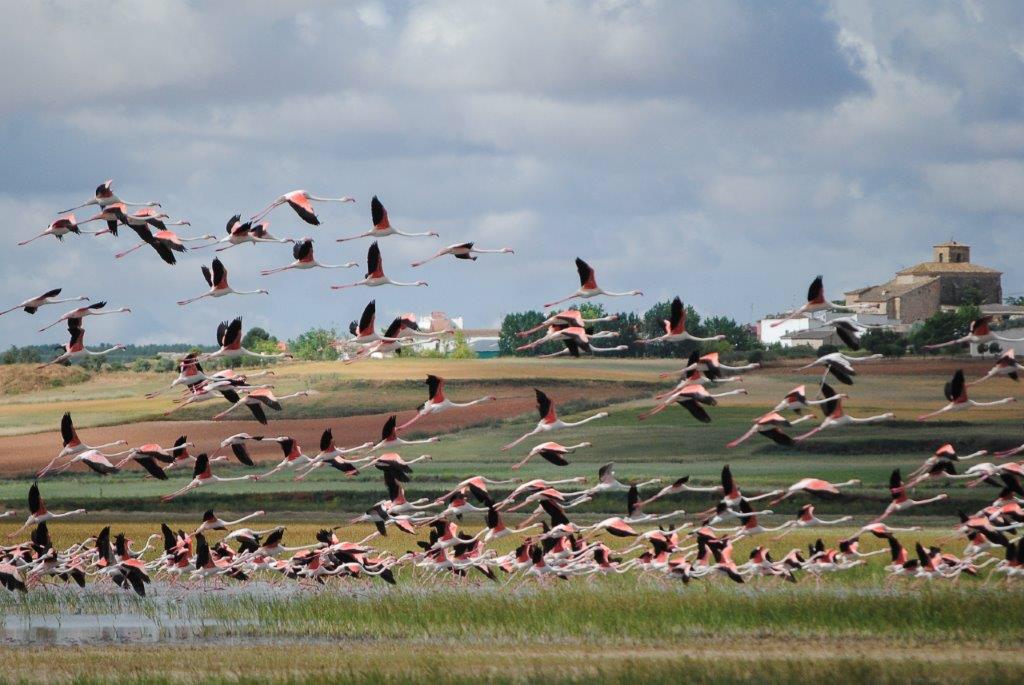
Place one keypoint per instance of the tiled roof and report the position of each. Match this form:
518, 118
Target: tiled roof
929, 268
887, 291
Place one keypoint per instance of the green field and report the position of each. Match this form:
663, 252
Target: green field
637, 627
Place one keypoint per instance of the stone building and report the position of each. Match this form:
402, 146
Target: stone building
919, 291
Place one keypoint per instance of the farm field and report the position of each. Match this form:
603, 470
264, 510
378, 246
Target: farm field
633, 627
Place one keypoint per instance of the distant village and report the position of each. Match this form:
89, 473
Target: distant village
911, 296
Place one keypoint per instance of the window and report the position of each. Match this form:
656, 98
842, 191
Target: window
940, 257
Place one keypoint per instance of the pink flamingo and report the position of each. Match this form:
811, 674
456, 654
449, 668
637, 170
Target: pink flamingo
382, 227
463, 251
75, 348
304, 259
549, 420
38, 512
239, 233
88, 310
229, 337
437, 402
675, 327
816, 302
166, 238
588, 286
301, 201
202, 475
836, 417
59, 228
956, 392
1007, 365
217, 278
32, 305
105, 196
375, 272
980, 331
72, 444
551, 452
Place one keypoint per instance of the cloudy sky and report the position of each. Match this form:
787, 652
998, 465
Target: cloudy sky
724, 151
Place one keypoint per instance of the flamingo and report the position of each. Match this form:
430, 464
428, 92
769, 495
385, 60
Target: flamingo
94, 459
302, 251
389, 436
162, 239
437, 402
212, 389
213, 522
549, 420
1007, 365
577, 340
105, 196
588, 286
73, 445
75, 349
144, 217
463, 251
675, 327
900, 501
239, 233
955, 391
836, 417
59, 228
564, 327
202, 475
331, 455
375, 272
301, 201
38, 512
293, 456
551, 452
814, 486
257, 398
565, 319
978, 332
237, 444
806, 517
32, 305
382, 227
796, 401
770, 425
216, 277
229, 337
690, 398
946, 453
816, 302
88, 310
839, 365
710, 365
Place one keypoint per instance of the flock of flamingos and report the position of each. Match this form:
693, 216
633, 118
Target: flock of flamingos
549, 542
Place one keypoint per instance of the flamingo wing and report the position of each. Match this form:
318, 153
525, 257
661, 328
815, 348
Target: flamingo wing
374, 264
302, 206
378, 214
220, 274
586, 273
67, 429
816, 291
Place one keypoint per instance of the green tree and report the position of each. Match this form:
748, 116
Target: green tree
315, 344
881, 341
461, 350
256, 335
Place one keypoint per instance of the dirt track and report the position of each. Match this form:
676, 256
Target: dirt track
21, 454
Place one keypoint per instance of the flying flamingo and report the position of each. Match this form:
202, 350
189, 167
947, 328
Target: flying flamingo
239, 233
900, 501
770, 426
690, 398
331, 455
839, 365
105, 196
375, 272
675, 327
94, 459
437, 402
213, 522
142, 219
565, 319
549, 420
256, 399
75, 349
1007, 365
32, 305
463, 251
806, 517
72, 444
588, 286
382, 227
304, 259
214, 388
576, 340
816, 302
217, 278
389, 436
165, 238
551, 452
59, 228
814, 486
229, 337
978, 332
946, 453
365, 330
710, 365
38, 513
202, 475
796, 401
301, 201
836, 417
88, 310
956, 392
